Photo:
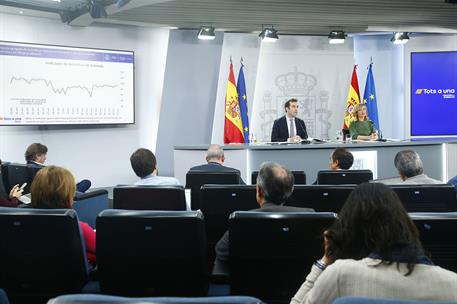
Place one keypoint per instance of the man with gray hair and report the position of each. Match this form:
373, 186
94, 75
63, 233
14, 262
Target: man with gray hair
215, 161
275, 184
411, 169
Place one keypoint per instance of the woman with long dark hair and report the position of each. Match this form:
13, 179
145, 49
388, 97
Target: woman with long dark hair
373, 250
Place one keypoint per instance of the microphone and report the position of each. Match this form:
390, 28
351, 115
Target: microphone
380, 137
303, 129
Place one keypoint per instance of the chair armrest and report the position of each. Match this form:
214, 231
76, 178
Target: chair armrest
86, 195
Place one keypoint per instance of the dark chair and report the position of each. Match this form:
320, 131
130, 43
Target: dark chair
438, 234
14, 173
299, 177
42, 253
145, 253
217, 203
3, 297
427, 198
88, 205
149, 198
103, 299
343, 177
271, 253
321, 198
196, 179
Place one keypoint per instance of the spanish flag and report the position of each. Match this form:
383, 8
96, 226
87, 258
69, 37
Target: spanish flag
353, 98
233, 128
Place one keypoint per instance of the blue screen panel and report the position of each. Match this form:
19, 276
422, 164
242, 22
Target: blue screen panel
434, 94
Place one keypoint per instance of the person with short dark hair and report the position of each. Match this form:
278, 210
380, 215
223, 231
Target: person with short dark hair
275, 184
215, 159
54, 188
373, 250
144, 164
289, 127
36, 155
341, 159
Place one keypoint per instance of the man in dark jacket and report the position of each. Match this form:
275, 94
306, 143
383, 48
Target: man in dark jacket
275, 184
215, 162
289, 128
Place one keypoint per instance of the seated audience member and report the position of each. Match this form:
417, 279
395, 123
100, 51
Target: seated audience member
411, 170
13, 199
144, 164
275, 184
215, 161
14, 196
35, 155
362, 128
373, 250
54, 188
341, 159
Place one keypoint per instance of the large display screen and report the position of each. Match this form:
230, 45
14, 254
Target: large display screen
434, 93
55, 85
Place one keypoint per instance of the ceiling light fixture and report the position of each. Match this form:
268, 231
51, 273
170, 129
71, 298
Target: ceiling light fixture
336, 37
206, 33
96, 10
269, 34
400, 38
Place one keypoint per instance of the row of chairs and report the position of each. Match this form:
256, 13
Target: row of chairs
195, 179
415, 198
217, 202
143, 253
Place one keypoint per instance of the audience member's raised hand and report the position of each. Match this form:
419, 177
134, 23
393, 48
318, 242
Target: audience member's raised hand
16, 192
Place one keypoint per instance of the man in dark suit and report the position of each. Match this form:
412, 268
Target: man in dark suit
215, 162
289, 128
275, 184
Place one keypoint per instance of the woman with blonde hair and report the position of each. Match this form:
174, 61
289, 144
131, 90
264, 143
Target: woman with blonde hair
362, 128
54, 188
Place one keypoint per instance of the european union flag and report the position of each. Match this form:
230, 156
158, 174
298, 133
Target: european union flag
369, 98
243, 101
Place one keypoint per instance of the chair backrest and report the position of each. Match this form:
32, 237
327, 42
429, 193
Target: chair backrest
14, 173
196, 179
42, 252
218, 202
438, 234
142, 253
103, 299
3, 297
427, 198
341, 177
88, 205
322, 198
149, 198
271, 253
299, 177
